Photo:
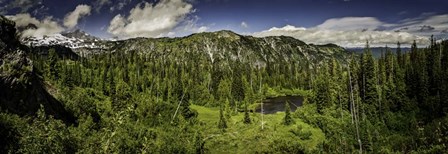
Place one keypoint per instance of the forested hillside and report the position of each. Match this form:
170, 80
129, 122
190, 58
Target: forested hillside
198, 94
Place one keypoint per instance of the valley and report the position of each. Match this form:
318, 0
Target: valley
73, 92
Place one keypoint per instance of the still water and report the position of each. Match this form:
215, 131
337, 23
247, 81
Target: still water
277, 104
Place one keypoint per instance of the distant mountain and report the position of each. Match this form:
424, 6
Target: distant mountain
227, 45
215, 46
74, 40
376, 51
81, 35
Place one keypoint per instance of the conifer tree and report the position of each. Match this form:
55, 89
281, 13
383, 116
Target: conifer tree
52, 66
224, 91
199, 143
370, 81
228, 110
287, 120
400, 101
399, 55
246, 115
322, 95
222, 124
444, 77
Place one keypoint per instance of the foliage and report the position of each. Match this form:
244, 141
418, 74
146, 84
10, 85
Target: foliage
287, 120
222, 124
176, 98
246, 115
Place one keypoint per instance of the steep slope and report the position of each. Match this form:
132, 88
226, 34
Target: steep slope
62, 51
80, 35
215, 45
71, 44
8, 37
70, 40
227, 45
22, 90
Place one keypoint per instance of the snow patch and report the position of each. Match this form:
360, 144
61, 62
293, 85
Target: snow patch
58, 39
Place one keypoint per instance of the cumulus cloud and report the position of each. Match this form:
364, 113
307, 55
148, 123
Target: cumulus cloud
355, 31
287, 28
46, 26
244, 24
150, 20
71, 19
202, 29
188, 26
424, 25
351, 23
345, 38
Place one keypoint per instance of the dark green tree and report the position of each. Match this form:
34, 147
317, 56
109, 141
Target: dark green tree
246, 115
370, 98
287, 120
222, 124
322, 94
52, 65
400, 57
199, 143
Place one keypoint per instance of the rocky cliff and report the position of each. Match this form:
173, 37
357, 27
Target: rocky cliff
22, 90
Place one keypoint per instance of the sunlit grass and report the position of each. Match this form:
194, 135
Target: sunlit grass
250, 138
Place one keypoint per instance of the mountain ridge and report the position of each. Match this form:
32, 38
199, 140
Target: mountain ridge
222, 44
218, 45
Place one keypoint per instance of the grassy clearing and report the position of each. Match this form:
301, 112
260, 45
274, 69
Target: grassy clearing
250, 138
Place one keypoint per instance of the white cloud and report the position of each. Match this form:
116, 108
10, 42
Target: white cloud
287, 28
351, 23
202, 29
244, 25
355, 31
190, 25
149, 20
71, 19
424, 25
45, 27
346, 38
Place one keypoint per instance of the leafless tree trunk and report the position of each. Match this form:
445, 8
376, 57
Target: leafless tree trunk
353, 111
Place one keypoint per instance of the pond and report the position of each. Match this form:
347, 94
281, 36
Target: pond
277, 104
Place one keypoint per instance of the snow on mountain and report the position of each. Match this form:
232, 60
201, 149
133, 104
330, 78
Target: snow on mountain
74, 40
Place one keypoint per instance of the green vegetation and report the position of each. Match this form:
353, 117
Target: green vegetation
250, 138
287, 120
172, 96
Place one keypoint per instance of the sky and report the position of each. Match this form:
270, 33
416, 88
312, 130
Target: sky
349, 23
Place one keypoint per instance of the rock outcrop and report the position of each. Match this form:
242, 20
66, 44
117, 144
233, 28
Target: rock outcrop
22, 90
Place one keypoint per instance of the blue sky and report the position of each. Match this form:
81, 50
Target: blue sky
344, 22
307, 13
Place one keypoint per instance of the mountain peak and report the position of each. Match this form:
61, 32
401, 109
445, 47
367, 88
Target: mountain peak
219, 34
79, 34
72, 39
229, 32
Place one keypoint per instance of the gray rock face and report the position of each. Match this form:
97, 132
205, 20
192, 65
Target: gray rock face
8, 37
22, 90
